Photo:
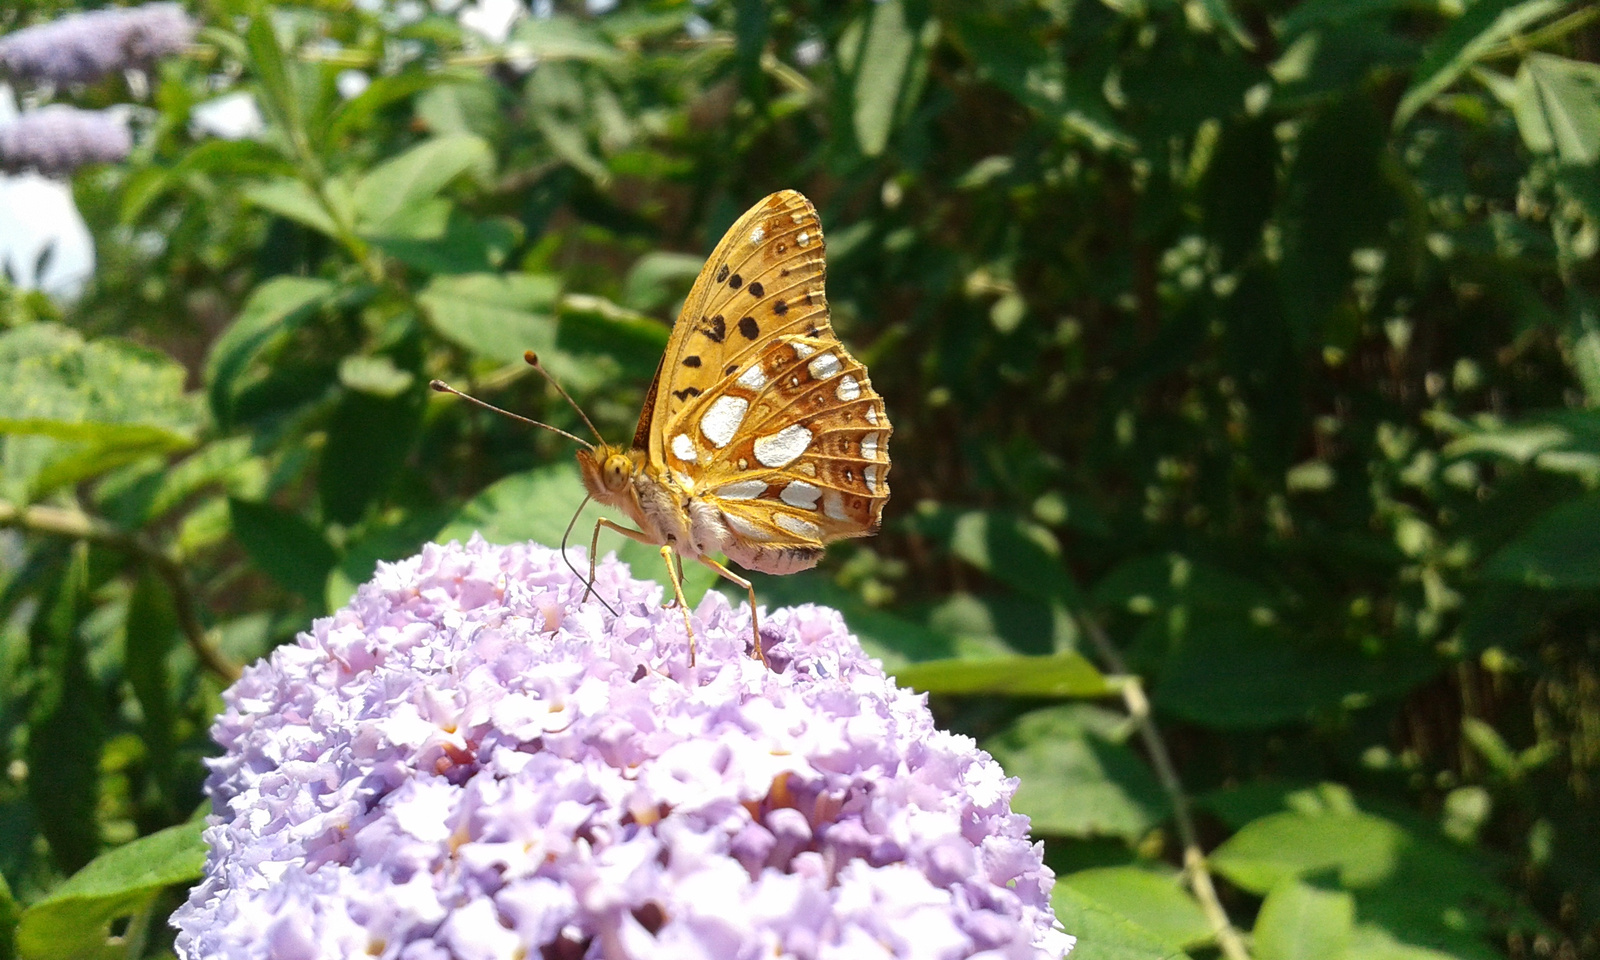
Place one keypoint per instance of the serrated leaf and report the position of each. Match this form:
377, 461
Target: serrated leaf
1079, 779
276, 307
1301, 922
493, 315
1155, 901
284, 545
392, 191
1104, 934
1484, 25
1055, 675
73, 921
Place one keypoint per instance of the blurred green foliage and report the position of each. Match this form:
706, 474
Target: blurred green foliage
1259, 338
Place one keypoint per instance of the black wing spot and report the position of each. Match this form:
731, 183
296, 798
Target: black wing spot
723, 273
780, 308
749, 328
686, 393
691, 361
757, 290
736, 281
715, 329
728, 370
783, 247
814, 332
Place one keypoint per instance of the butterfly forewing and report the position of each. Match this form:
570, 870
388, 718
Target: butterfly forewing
757, 406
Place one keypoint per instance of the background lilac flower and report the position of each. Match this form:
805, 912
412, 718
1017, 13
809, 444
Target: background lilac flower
85, 47
57, 139
466, 762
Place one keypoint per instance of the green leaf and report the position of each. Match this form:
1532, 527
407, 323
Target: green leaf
275, 308
1301, 922
1558, 551
1055, 675
1155, 901
1104, 934
150, 633
560, 38
9, 912
369, 436
657, 277
884, 64
538, 505
1021, 554
492, 315
1360, 849
285, 547
464, 245
1079, 779
1557, 106
377, 376
593, 328
107, 402
389, 192
279, 96
291, 199
65, 727
1484, 25
73, 921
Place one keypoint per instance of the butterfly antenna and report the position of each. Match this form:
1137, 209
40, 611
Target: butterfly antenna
533, 361
588, 584
443, 387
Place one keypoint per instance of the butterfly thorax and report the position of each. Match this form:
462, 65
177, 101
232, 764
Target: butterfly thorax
663, 506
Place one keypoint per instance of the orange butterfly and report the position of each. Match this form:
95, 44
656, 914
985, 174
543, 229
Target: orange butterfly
761, 437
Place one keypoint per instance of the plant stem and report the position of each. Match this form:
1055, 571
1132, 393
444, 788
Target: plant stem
67, 522
1194, 858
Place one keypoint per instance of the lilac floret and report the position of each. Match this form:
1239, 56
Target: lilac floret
86, 47
57, 139
467, 762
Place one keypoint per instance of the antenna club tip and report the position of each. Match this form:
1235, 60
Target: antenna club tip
439, 385
531, 358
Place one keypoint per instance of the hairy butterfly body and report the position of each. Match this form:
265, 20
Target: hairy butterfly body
761, 436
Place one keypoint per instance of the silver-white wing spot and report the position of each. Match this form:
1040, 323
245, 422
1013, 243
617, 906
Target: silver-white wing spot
848, 389
869, 447
683, 448
744, 527
824, 366
833, 506
742, 490
721, 422
753, 378
797, 526
757, 234
800, 494
803, 239
872, 415
872, 479
784, 447
803, 350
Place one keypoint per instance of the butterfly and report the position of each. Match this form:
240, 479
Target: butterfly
761, 437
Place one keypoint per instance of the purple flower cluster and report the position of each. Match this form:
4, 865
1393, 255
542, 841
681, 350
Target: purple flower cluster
468, 763
57, 139
85, 47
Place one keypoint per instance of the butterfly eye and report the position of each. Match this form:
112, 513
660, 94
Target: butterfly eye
617, 469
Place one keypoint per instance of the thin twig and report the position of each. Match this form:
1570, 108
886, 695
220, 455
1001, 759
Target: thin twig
67, 522
1519, 46
1194, 858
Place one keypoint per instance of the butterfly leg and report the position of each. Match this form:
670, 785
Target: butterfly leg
676, 576
745, 585
594, 544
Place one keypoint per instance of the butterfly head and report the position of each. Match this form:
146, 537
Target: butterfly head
608, 472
